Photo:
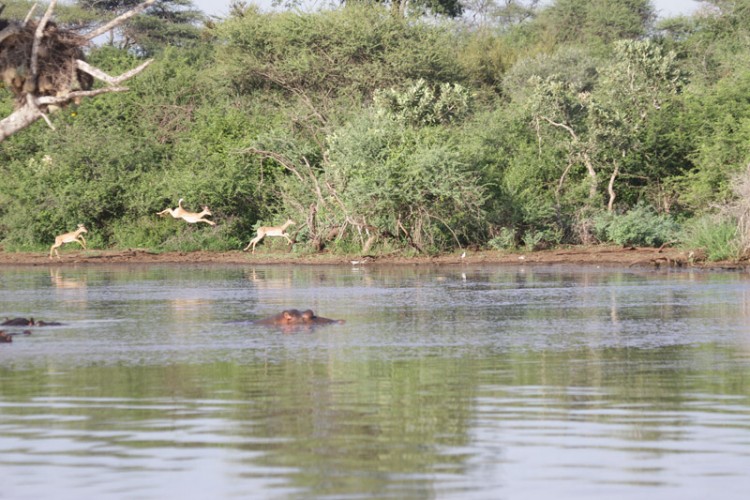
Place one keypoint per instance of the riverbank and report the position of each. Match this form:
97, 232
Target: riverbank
582, 255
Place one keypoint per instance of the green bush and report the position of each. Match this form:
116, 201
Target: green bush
421, 104
505, 239
640, 226
715, 235
405, 181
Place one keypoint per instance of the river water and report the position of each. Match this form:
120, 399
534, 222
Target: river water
444, 382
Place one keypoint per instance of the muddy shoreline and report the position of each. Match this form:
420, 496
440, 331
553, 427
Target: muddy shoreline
578, 255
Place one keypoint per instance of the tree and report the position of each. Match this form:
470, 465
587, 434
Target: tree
604, 126
165, 22
45, 68
399, 8
631, 89
587, 21
316, 65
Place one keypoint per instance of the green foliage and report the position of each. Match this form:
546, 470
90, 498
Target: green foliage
717, 236
450, 8
720, 121
485, 57
405, 182
421, 104
514, 134
532, 240
120, 158
166, 23
505, 239
575, 67
596, 21
329, 63
640, 226
169, 234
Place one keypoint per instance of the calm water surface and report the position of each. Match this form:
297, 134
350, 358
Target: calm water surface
445, 382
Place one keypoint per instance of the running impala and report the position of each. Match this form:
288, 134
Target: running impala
270, 231
71, 237
191, 217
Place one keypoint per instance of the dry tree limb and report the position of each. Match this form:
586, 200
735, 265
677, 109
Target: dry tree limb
44, 67
119, 20
31, 13
116, 80
38, 39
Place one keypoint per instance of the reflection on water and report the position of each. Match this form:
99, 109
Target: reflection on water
448, 382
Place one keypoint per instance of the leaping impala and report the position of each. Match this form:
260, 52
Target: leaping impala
191, 217
264, 231
69, 238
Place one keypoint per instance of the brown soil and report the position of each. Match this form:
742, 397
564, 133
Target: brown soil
581, 255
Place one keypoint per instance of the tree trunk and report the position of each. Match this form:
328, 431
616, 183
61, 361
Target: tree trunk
18, 120
611, 187
592, 176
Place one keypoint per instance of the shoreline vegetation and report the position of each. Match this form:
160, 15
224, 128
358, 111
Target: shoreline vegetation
391, 133
594, 255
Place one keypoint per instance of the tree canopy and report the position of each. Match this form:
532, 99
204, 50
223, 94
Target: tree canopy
563, 122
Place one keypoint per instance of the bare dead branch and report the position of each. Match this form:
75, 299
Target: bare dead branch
38, 39
31, 13
101, 75
568, 128
79, 93
584, 154
119, 20
611, 187
34, 102
47, 120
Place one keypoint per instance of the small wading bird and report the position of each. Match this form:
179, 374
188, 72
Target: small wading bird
264, 231
74, 236
191, 217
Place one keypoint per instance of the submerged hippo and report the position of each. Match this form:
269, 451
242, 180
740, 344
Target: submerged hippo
27, 322
293, 317
309, 318
286, 317
5, 337
18, 322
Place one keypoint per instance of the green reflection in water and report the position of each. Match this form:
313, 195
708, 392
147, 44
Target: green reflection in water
350, 427
444, 382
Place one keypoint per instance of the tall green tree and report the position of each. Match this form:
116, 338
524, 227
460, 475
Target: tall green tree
638, 83
596, 21
167, 22
603, 127
321, 67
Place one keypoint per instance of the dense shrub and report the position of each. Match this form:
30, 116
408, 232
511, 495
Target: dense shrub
640, 226
714, 235
276, 116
